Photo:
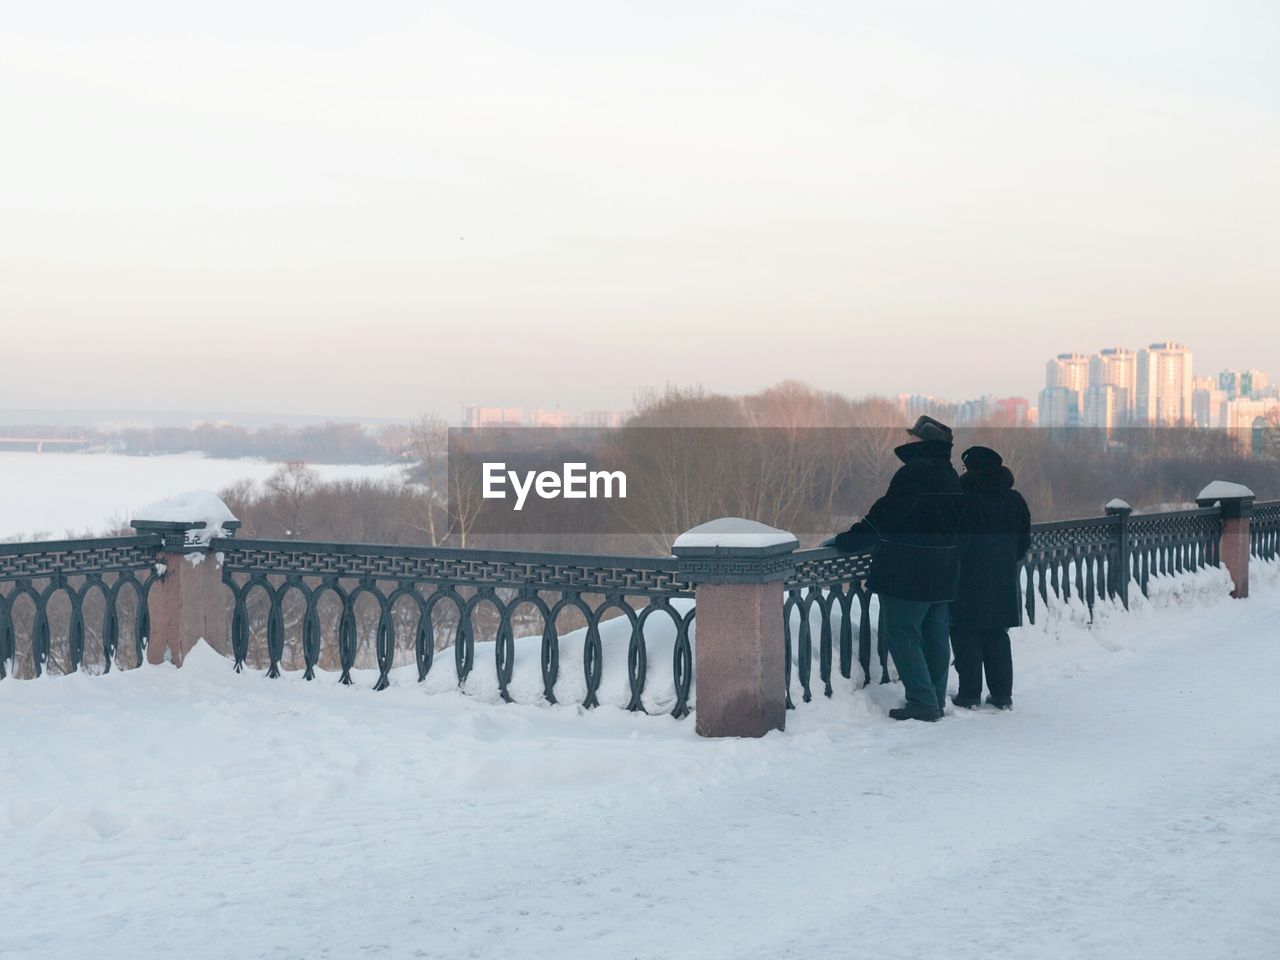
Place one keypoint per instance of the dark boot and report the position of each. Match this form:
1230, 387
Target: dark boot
1001, 704
912, 712
966, 647
968, 703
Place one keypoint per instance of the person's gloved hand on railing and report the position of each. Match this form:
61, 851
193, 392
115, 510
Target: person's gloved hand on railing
861, 536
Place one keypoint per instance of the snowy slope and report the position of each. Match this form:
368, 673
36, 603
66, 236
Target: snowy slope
1126, 808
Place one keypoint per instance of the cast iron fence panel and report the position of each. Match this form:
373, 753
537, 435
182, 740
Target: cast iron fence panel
831, 581
1166, 544
466, 580
75, 569
1264, 530
1084, 554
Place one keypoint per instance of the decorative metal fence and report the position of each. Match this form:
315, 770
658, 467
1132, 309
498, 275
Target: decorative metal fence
1264, 530
73, 589
1167, 544
417, 582
829, 582
1086, 559
325, 602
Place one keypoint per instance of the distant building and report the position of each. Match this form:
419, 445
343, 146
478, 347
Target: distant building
556, 419
607, 419
1104, 407
1229, 383
477, 418
1117, 367
1066, 377
1059, 407
971, 412
1253, 384
1163, 385
915, 405
1248, 421
1208, 403
1012, 412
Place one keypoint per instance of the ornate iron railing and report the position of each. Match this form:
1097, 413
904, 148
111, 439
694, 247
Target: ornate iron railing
371, 596
467, 581
114, 574
1165, 544
1085, 559
1264, 530
1086, 551
829, 582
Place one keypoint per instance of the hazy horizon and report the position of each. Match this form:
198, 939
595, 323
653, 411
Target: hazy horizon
379, 212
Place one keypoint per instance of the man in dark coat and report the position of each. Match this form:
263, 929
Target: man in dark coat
915, 569
994, 537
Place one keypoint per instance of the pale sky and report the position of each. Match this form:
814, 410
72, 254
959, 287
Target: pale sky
386, 208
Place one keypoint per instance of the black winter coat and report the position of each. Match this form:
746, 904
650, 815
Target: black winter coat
994, 537
912, 529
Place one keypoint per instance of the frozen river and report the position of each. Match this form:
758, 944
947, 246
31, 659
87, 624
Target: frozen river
55, 495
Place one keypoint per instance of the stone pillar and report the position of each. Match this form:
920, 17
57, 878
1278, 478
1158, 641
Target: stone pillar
189, 602
737, 567
1236, 504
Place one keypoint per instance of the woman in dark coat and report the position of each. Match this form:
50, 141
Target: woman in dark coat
995, 535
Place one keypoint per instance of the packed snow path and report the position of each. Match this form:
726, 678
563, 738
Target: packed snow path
1126, 808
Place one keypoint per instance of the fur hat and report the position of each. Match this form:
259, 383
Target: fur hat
927, 428
975, 458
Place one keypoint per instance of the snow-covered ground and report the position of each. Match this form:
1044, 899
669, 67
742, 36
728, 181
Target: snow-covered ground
52, 495
1125, 808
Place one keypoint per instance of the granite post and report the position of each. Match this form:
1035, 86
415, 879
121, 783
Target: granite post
737, 567
189, 602
1236, 503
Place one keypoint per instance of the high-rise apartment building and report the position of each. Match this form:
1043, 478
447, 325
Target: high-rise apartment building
1070, 370
1117, 367
1104, 407
1253, 383
1059, 407
1066, 377
1208, 402
1163, 385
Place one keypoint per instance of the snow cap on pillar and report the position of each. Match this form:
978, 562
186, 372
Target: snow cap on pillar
188, 520
1235, 498
736, 532
735, 550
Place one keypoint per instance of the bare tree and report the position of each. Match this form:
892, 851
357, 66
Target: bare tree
293, 485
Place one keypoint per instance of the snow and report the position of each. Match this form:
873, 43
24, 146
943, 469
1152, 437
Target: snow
53, 495
734, 532
1117, 504
194, 507
1124, 808
1224, 490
